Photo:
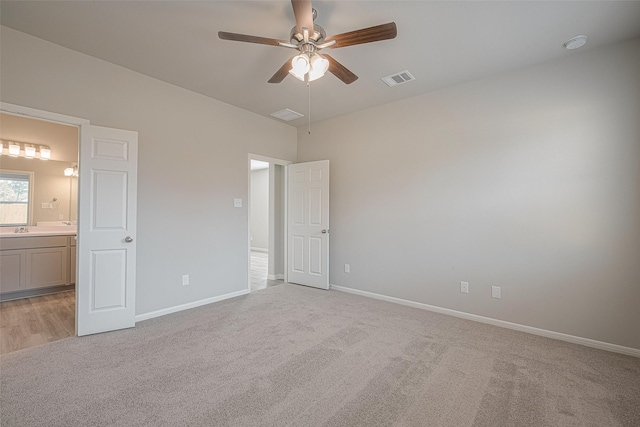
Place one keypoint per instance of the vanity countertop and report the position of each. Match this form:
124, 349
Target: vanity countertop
39, 231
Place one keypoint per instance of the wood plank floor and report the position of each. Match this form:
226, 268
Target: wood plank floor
29, 322
259, 271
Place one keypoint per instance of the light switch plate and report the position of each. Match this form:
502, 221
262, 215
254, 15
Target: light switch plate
237, 203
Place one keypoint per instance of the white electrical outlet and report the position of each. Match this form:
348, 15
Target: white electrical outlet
237, 203
464, 287
185, 279
496, 292
347, 268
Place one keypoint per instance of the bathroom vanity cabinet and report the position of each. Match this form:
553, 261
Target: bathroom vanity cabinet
34, 265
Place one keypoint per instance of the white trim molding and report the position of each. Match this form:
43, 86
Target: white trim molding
41, 114
275, 276
177, 308
495, 322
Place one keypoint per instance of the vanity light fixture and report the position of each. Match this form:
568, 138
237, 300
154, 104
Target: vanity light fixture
14, 149
29, 151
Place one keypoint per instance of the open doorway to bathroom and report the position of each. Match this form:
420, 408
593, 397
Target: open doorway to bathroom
39, 199
266, 224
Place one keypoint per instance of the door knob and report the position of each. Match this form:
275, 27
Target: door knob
128, 239
324, 231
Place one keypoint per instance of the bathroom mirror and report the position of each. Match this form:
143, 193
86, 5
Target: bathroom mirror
52, 196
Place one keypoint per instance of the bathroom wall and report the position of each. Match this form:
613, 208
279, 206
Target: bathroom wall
49, 180
61, 139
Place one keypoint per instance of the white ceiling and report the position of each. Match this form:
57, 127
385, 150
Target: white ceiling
440, 43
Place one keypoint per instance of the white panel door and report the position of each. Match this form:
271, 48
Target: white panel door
308, 224
106, 276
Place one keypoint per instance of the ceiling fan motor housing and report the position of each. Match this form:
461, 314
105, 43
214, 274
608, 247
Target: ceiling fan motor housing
318, 35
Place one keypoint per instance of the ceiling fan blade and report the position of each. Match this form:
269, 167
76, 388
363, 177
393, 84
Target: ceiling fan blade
250, 39
304, 14
282, 72
340, 71
365, 35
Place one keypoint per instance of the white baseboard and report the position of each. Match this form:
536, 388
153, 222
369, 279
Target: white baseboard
259, 249
175, 309
275, 276
501, 323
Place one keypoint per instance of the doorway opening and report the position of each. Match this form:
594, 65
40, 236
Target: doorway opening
106, 226
38, 228
267, 248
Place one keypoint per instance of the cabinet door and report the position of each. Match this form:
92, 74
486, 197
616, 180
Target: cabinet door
12, 271
46, 267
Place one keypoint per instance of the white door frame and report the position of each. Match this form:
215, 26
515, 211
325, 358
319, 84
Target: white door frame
275, 161
48, 116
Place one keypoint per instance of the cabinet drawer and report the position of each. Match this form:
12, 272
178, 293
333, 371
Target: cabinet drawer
33, 242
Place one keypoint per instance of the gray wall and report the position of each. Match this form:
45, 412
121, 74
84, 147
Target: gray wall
192, 162
528, 180
260, 209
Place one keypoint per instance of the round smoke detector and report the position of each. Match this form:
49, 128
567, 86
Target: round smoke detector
575, 42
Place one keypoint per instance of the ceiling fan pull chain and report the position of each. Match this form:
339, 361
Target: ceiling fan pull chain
309, 88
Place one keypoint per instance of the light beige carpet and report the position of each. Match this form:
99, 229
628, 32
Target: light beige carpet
295, 356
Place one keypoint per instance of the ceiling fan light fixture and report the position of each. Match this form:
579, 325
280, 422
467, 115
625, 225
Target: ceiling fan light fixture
319, 66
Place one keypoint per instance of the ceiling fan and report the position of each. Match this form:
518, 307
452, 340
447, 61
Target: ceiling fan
309, 39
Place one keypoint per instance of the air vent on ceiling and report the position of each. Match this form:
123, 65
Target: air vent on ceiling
286, 115
398, 78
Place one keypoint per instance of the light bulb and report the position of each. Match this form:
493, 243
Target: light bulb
319, 66
29, 151
300, 66
45, 153
68, 172
14, 149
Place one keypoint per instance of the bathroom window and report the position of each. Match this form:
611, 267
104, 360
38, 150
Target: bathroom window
15, 198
